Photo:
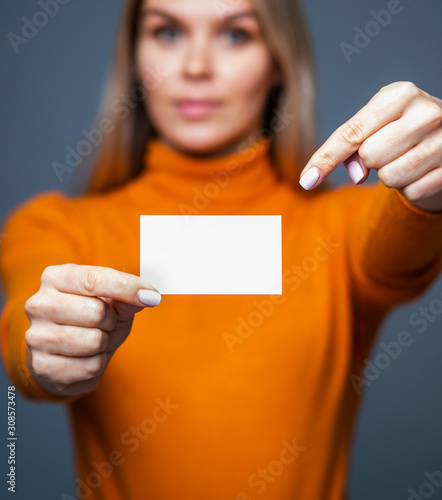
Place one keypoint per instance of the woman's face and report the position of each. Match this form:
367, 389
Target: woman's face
208, 71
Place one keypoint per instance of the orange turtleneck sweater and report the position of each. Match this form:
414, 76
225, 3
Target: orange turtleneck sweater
226, 397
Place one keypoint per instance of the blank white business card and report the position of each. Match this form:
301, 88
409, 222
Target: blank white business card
212, 254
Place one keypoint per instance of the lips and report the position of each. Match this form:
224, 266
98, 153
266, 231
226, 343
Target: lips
196, 109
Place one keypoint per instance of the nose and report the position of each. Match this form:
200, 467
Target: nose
197, 62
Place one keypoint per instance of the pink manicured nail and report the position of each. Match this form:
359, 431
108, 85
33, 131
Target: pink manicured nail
308, 180
149, 297
355, 171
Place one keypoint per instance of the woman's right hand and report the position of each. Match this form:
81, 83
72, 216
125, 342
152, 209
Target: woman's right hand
79, 317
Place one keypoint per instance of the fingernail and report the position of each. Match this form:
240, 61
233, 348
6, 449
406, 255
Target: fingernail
149, 297
308, 180
355, 171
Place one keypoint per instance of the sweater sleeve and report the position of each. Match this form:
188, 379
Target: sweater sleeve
395, 249
38, 234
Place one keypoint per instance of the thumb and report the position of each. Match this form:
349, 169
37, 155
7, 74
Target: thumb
356, 168
150, 298
146, 297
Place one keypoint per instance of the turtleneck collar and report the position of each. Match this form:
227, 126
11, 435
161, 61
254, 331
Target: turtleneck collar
243, 176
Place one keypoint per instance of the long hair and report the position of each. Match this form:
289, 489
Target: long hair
128, 128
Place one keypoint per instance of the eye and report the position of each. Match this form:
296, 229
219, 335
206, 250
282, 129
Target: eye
167, 33
236, 36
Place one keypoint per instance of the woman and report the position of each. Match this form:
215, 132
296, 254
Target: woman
229, 397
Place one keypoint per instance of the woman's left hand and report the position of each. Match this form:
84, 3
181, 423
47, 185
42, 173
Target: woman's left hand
399, 134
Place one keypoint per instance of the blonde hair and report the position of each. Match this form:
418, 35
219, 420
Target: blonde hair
121, 154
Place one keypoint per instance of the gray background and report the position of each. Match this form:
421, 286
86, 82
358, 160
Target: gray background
49, 94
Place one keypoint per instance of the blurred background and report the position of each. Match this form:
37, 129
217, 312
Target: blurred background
50, 89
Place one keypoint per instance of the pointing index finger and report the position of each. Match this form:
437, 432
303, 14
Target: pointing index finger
347, 139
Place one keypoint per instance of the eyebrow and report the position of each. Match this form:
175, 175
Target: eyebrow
153, 11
